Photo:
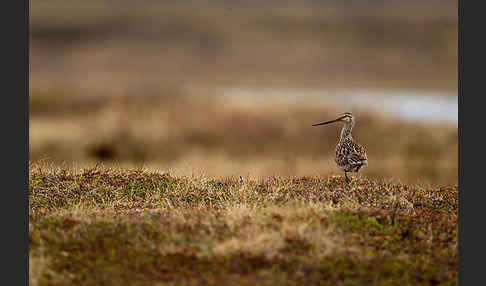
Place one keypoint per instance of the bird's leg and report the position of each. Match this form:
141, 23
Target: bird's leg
347, 179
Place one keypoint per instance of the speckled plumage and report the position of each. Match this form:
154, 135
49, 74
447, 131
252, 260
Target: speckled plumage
349, 155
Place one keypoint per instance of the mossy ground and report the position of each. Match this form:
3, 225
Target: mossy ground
103, 226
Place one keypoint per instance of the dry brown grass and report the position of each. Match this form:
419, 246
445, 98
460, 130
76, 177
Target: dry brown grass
135, 227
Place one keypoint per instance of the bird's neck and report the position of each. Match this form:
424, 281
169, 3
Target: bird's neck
346, 131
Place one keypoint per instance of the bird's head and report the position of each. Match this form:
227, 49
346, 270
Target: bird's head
346, 118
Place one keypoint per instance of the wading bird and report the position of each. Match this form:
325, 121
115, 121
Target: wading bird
349, 155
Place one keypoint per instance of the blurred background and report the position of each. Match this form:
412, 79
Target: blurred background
230, 88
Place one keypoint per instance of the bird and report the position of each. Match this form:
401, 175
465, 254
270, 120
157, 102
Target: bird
349, 155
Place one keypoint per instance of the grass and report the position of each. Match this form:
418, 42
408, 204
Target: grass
103, 225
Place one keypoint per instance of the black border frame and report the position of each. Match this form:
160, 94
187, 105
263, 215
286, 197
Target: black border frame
471, 203
461, 270
15, 123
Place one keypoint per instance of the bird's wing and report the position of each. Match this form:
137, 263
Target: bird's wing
357, 158
354, 159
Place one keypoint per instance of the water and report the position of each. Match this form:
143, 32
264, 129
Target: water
409, 105
434, 107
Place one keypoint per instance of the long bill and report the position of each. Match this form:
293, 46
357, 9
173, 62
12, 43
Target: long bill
326, 122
